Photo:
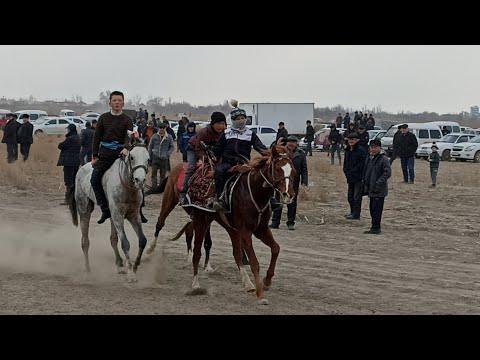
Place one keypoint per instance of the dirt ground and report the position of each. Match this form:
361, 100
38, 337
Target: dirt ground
425, 262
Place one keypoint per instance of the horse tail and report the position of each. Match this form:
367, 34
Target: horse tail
72, 204
163, 184
181, 232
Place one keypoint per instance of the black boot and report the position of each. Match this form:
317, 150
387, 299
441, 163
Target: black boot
105, 215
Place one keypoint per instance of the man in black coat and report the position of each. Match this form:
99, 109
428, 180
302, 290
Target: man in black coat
86, 141
363, 137
353, 167
301, 176
335, 144
10, 137
282, 133
69, 158
309, 137
407, 147
25, 136
376, 173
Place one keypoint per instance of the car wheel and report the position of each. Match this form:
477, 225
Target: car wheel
38, 132
476, 158
446, 155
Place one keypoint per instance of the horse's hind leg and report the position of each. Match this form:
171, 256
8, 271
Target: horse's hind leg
208, 245
236, 239
265, 235
136, 222
188, 240
84, 226
114, 243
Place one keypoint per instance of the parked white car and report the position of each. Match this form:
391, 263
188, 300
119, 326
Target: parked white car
90, 116
52, 125
266, 134
375, 134
78, 121
445, 145
468, 150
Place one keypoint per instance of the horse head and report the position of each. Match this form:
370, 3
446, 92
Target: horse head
137, 161
282, 173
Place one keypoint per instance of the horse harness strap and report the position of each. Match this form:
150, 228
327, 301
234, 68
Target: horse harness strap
132, 169
260, 211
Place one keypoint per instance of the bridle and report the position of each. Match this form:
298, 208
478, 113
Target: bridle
271, 184
274, 181
128, 164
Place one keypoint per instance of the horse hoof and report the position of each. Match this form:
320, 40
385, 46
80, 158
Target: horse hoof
250, 288
197, 291
149, 251
262, 302
209, 269
121, 270
265, 287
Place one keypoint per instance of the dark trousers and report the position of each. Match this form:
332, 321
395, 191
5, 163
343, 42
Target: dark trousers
85, 155
335, 148
408, 168
25, 150
291, 212
101, 166
376, 210
355, 197
192, 164
12, 152
221, 176
69, 173
309, 148
433, 174
162, 165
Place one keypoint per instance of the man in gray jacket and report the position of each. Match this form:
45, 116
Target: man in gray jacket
377, 172
160, 148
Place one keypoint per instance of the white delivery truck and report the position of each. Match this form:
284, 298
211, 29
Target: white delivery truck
294, 115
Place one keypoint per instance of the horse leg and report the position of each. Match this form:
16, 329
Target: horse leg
114, 243
136, 223
236, 239
117, 220
169, 202
255, 267
200, 229
84, 225
265, 235
188, 240
208, 245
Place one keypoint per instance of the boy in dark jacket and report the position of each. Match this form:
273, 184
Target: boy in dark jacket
353, 167
234, 147
301, 176
10, 137
186, 136
309, 137
69, 158
434, 164
377, 172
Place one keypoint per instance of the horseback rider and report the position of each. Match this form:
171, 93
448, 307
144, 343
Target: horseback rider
209, 135
234, 147
110, 142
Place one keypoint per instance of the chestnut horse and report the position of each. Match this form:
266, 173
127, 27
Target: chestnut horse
250, 214
171, 194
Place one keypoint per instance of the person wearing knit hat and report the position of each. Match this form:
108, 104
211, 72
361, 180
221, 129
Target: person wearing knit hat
234, 147
69, 158
209, 135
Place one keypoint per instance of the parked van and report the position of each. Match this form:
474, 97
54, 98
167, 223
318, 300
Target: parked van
452, 126
34, 115
66, 112
425, 132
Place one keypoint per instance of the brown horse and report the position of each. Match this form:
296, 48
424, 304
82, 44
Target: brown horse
250, 214
171, 194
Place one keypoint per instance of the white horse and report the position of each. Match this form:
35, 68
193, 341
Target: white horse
123, 184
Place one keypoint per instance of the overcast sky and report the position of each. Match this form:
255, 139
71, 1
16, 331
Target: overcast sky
416, 78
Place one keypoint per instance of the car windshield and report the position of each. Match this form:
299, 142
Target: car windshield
449, 138
371, 134
391, 131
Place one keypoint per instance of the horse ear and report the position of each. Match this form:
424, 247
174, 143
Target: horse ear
274, 150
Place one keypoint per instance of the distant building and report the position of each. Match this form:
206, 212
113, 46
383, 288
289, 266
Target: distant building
474, 111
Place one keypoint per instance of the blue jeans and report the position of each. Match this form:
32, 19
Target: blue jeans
408, 168
192, 165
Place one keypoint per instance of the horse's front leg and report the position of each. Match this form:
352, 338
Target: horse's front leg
136, 223
117, 219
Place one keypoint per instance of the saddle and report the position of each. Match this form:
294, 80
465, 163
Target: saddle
201, 187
